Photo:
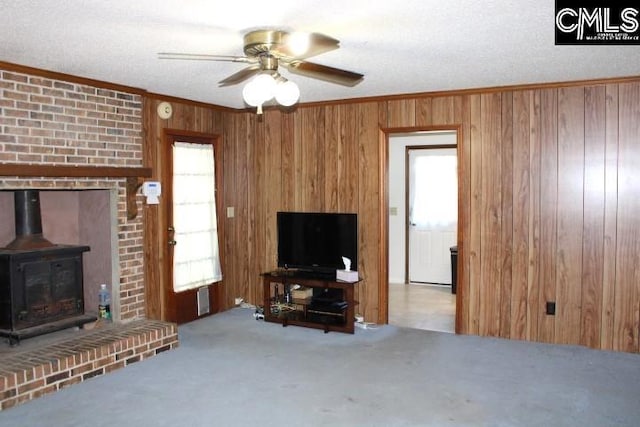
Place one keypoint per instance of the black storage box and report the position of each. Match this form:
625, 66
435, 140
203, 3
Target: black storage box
454, 268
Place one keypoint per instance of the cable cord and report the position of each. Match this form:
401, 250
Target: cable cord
367, 325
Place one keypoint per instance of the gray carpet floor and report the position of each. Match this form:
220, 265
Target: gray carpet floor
231, 370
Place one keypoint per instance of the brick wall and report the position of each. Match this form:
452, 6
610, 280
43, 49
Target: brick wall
52, 122
26, 375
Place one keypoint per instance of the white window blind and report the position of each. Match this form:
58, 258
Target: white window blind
196, 258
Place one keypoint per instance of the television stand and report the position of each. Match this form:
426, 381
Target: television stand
325, 303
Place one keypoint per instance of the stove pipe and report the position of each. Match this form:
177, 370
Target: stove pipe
28, 222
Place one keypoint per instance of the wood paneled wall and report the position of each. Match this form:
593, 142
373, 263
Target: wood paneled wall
549, 192
549, 206
190, 118
315, 159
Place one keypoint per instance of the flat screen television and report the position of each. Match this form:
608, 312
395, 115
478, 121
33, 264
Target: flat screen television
316, 242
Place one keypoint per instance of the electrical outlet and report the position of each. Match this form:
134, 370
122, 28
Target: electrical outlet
551, 308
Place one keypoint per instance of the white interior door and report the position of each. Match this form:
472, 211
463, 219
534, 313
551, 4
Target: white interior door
433, 214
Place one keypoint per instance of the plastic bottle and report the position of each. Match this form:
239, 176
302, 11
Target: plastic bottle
104, 303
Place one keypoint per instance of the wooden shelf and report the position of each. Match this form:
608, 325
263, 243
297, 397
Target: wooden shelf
133, 176
53, 171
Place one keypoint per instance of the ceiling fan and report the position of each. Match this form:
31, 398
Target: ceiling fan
266, 50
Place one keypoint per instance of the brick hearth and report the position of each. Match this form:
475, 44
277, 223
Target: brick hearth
31, 373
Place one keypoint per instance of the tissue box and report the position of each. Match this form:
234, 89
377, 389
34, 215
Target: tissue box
347, 276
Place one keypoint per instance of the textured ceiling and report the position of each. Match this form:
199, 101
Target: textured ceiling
401, 47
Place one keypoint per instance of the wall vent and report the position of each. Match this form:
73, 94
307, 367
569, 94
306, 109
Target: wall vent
203, 301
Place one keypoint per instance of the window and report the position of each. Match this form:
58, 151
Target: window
436, 202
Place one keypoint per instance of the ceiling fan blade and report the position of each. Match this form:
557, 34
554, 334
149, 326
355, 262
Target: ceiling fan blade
318, 43
203, 57
240, 76
323, 72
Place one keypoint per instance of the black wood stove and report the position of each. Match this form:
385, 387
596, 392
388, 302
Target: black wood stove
41, 284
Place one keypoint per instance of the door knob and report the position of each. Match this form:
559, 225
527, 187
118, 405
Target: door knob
172, 243
171, 229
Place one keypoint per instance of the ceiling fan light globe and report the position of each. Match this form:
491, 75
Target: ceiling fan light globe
251, 94
265, 86
287, 93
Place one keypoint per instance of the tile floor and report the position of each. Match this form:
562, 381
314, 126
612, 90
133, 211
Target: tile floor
418, 306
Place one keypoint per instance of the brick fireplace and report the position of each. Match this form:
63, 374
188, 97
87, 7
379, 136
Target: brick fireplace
47, 124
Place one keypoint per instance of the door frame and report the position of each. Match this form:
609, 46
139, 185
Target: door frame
407, 192
181, 307
383, 225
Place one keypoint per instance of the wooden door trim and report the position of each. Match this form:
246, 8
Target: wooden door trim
169, 301
383, 202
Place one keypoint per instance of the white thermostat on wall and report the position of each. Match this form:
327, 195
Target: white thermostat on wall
152, 189
165, 110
